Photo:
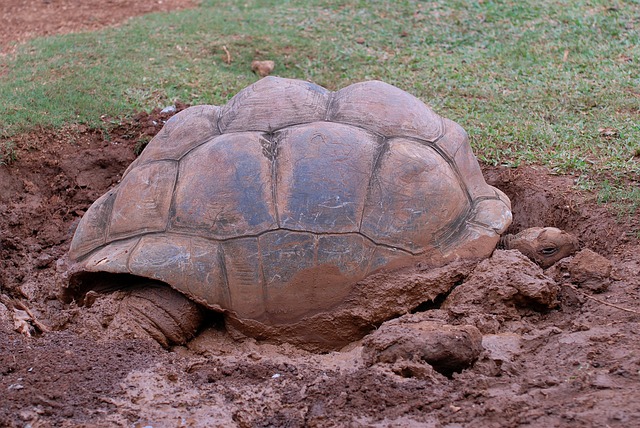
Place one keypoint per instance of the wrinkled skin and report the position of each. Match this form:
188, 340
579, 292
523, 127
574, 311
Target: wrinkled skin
164, 314
543, 245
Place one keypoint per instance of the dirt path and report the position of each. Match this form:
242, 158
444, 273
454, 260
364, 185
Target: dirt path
571, 359
26, 19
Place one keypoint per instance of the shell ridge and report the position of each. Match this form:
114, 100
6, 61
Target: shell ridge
272, 154
168, 159
208, 140
377, 164
172, 204
258, 235
133, 251
328, 113
217, 120
284, 229
380, 244
443, 130
107, 232
226, 293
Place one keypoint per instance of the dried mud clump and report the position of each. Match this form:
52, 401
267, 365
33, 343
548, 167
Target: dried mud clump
500, 288
589, 268
410, 342
262, 68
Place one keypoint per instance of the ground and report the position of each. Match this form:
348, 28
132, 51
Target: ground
559, 347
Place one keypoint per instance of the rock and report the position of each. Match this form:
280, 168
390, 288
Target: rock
501, 352
605, 381
262, 68
44, 260
502, 285
411, 343
502, 347
590, 270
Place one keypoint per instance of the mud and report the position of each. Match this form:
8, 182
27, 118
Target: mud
551, 354
560, 346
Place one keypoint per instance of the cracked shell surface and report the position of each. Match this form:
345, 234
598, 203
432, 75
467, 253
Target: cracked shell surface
273, 207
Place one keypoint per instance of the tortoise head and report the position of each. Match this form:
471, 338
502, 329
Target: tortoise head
543, 245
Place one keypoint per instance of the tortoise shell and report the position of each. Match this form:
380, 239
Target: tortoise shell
272, 207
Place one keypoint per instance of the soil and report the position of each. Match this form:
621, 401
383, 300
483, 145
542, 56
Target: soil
27, 19
511, 345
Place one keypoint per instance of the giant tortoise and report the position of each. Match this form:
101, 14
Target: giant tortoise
274, 208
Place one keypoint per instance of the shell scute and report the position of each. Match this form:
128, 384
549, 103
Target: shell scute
412, 179
323, 171
182, 132
252, 109
243, 268
290, 281
93, 227
113, 258
385, 109
143, 199
190, 264
224, 189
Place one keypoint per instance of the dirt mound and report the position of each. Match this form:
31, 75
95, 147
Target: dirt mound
539, 198
58, 174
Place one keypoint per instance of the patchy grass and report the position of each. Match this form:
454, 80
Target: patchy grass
626, 198
7, 152
555, 83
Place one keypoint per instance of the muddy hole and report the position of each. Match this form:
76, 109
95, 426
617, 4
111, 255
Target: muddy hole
532, 345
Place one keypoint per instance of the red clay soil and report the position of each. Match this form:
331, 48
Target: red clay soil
553, 348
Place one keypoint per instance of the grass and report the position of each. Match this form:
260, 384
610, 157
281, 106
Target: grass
7, 153
555, 83
627, 199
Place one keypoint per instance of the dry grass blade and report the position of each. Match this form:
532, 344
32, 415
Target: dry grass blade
574, 288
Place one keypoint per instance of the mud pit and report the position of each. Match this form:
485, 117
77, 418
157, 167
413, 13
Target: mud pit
550, 355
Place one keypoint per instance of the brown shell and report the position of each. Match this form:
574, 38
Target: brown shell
273, 206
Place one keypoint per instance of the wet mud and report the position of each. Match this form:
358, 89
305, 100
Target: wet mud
522, 345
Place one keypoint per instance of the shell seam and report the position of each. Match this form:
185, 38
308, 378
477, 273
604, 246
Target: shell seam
221, 241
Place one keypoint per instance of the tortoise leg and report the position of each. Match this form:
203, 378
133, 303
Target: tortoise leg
163, 313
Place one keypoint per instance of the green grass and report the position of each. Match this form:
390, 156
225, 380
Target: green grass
7, 152
555, 83
626, 198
